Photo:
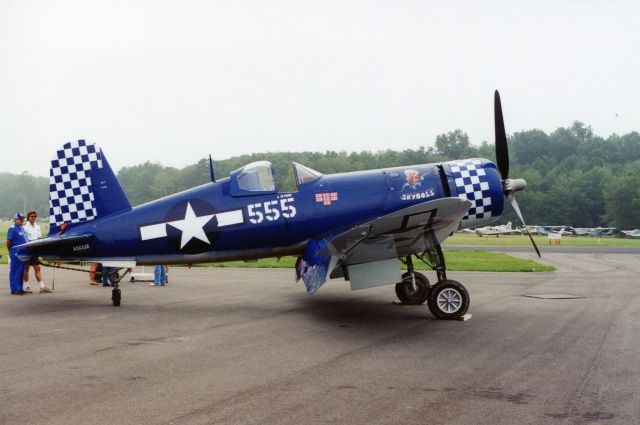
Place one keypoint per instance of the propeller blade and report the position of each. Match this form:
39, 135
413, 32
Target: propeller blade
515, 206
502, 153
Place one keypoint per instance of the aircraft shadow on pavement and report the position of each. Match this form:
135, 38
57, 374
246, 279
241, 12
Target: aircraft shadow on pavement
362, 311
330, 309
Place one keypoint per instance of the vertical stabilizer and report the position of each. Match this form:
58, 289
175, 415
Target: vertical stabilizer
82, 186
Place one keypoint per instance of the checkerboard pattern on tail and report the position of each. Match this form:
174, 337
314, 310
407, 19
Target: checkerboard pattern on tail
71, 199
472, 184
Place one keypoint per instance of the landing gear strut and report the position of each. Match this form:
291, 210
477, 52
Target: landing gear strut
447, 299
414, 288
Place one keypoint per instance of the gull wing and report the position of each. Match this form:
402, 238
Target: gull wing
404, 232
400, 233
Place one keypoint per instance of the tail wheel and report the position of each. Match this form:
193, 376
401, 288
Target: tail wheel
405, 292
115, 296
448, 300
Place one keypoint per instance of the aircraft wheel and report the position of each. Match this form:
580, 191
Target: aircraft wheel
132, 279
115, 296
405, 292
448, 300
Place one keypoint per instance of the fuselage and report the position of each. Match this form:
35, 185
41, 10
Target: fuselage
219, 221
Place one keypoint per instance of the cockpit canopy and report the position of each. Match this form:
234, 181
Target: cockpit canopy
258, 178
253, 179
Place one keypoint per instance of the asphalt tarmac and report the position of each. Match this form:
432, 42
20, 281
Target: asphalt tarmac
242, 346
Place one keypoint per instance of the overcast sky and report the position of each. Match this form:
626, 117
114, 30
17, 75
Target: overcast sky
172, 81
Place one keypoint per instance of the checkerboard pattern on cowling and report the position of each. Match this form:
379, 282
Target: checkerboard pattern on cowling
70, 197
472, 184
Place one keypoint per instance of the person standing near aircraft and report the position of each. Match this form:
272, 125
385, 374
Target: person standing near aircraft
159, 275
92, 274
108, 275
16, 236
32, 230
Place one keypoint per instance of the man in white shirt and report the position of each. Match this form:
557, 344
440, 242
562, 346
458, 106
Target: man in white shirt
32, 229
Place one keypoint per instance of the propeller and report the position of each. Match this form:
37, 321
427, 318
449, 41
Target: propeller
509, 186
502, 152
515, 206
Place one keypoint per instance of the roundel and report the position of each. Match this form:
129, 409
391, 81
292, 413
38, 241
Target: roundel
192, 226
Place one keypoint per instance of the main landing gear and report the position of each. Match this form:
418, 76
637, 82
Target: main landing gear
447, 299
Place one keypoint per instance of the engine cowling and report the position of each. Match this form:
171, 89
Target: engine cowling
477, 180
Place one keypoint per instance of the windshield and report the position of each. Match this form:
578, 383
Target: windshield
304, 174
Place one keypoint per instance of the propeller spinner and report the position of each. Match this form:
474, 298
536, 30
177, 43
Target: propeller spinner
509, 186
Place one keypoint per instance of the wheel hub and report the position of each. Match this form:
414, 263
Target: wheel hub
449, 300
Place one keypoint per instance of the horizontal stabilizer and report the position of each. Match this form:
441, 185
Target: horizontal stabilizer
61, 246
70, 248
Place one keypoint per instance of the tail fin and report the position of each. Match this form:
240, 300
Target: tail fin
509, 225
82, 186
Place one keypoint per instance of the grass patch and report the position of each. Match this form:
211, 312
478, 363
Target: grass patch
523, 240
456, 261
486, 261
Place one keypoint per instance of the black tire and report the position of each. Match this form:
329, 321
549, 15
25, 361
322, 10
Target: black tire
115, 296
405, 292
448, 300
132, 279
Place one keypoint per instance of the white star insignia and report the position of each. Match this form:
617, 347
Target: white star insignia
192, 226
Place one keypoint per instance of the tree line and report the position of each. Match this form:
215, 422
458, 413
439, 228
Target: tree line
574, 176
22, 193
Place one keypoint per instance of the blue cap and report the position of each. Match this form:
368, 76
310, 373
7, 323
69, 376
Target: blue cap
18, 216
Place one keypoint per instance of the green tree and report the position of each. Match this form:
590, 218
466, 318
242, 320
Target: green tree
622, 199
23, 192
528, 146
138, 180
453, 145
630, 146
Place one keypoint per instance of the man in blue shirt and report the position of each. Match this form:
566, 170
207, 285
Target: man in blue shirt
16, 236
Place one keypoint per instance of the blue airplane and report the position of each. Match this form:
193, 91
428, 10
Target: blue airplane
358, 226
